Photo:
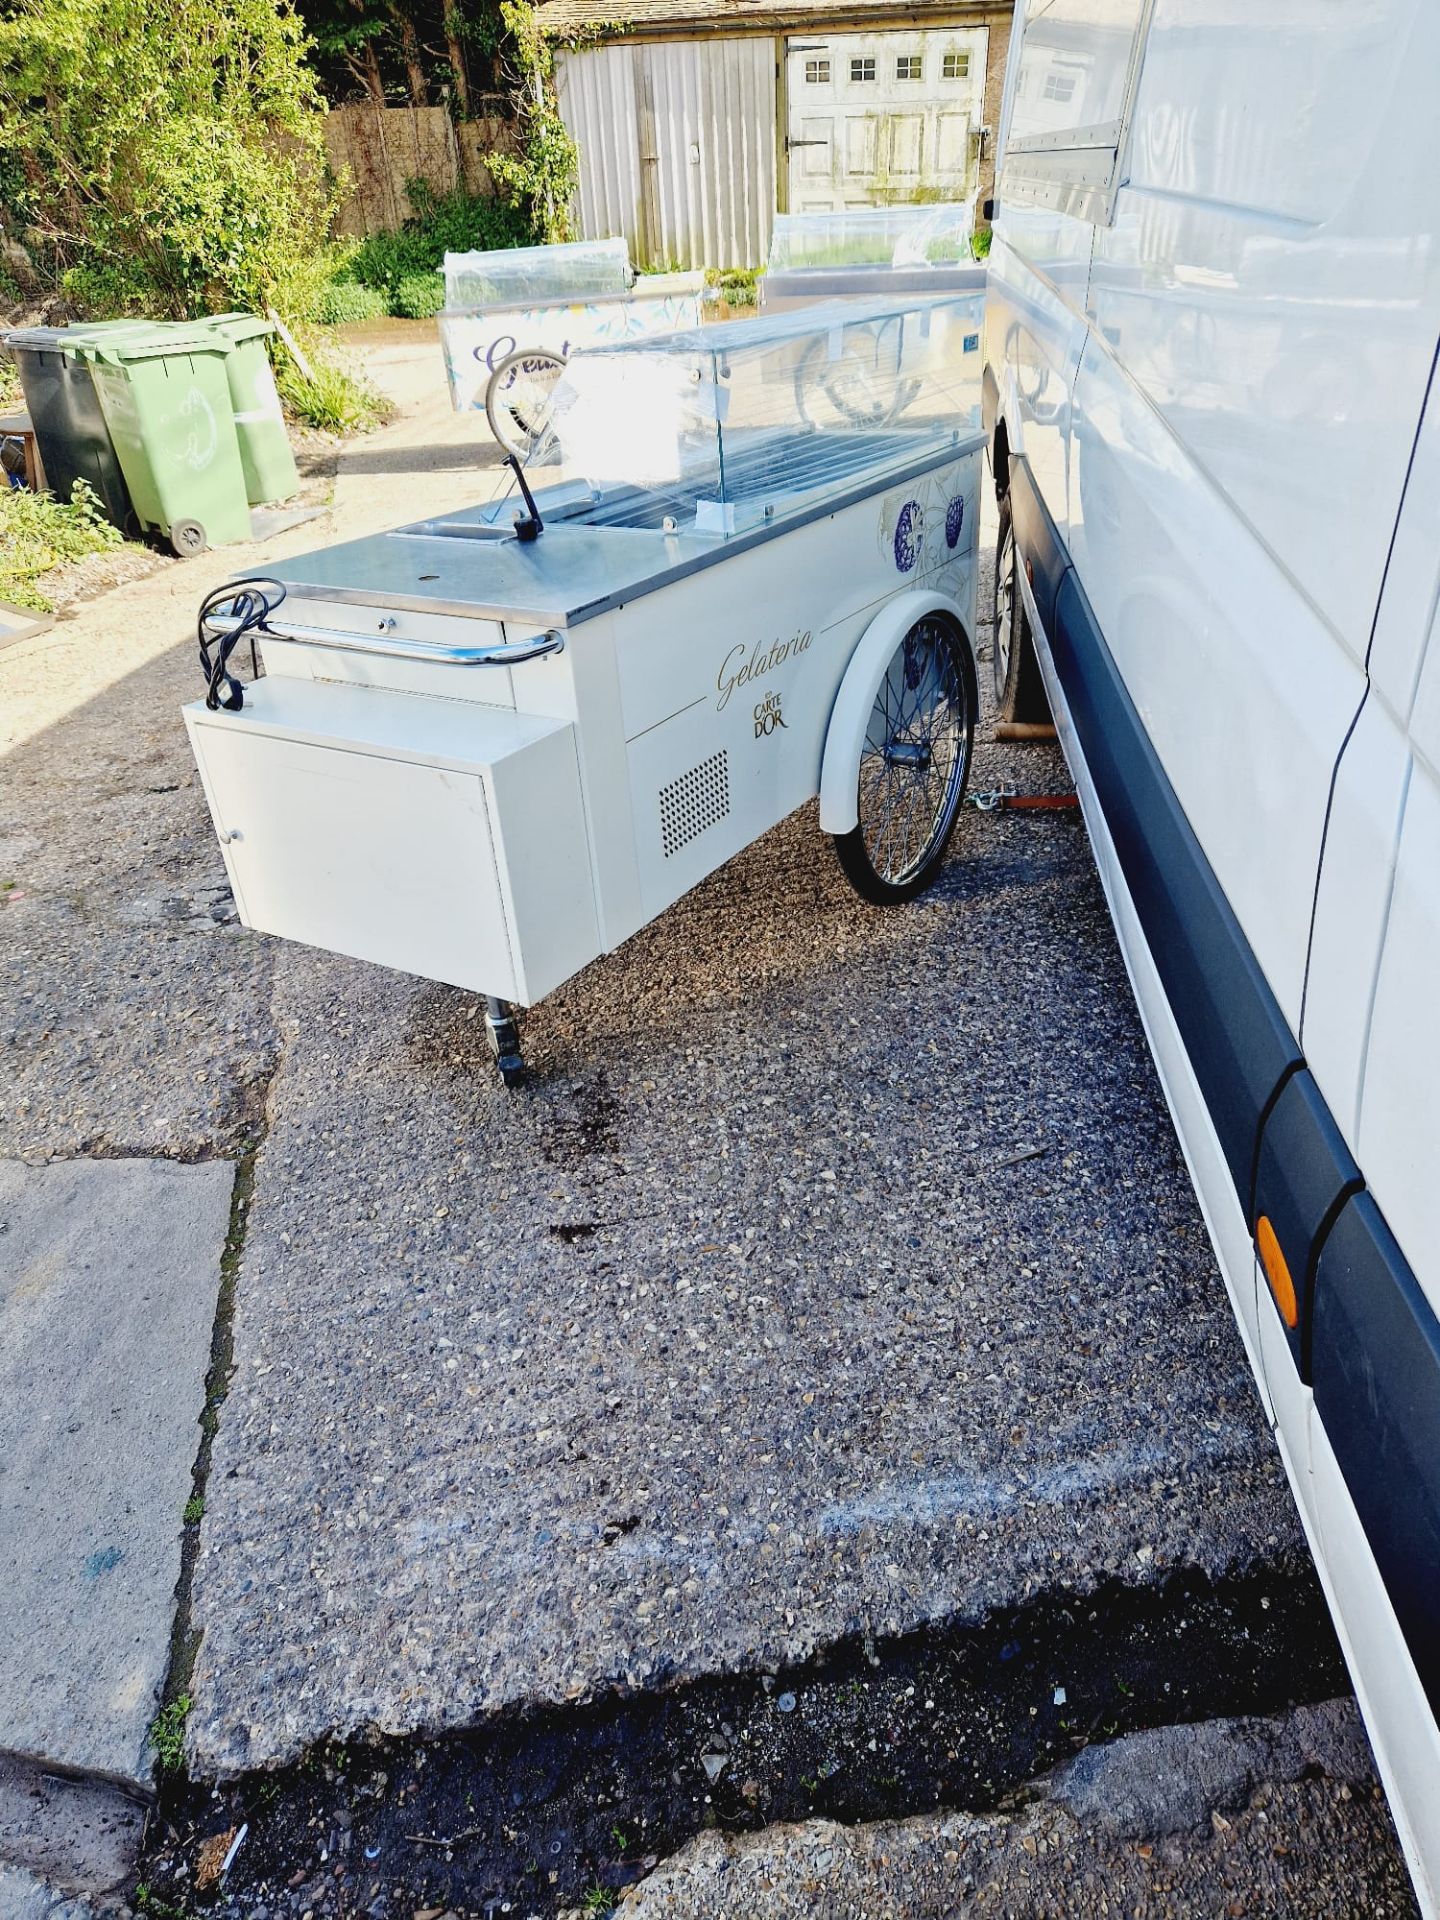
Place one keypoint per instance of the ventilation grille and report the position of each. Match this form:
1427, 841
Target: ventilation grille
694, 802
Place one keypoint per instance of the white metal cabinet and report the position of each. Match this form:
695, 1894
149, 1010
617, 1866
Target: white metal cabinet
465, 821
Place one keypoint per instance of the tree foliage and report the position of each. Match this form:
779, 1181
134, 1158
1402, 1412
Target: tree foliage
475, 56
544, 170
168, 153
409, 52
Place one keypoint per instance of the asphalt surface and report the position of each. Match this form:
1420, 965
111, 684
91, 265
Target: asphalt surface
1230, 1818
838, 1273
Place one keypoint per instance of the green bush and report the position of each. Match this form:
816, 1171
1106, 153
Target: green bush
419, 296
345, 302
735, 285
38, 532
334, 399
170, 156
441, 223
980, 244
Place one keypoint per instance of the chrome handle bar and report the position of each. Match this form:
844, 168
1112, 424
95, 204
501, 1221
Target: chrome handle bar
509, 653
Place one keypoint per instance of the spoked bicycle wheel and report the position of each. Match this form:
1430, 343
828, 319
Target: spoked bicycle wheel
859, 382
914, 764
518, 396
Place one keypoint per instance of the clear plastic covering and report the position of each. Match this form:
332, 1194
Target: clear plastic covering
515, 276
916, 236
722, 428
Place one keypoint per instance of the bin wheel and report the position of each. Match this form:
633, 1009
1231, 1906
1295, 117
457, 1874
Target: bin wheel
913, 765
188, 538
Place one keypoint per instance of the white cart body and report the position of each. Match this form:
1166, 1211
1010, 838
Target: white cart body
487, 761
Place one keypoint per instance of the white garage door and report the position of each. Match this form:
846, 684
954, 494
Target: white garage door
883, 118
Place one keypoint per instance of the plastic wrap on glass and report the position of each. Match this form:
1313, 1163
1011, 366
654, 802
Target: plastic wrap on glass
719, 429
515, 276
899, 237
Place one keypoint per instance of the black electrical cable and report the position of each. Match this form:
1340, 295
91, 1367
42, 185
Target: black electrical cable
247, 604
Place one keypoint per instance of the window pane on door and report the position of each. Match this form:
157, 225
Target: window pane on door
817, 73
956, 66
862, 69
907, 66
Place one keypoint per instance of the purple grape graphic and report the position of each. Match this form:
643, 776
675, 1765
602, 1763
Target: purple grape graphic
909, 531
954, 519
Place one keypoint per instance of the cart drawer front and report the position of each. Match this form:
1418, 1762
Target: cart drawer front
391, 861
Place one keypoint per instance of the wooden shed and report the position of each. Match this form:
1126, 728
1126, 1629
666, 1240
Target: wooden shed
697, 119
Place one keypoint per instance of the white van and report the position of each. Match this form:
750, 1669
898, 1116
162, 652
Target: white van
1210, 346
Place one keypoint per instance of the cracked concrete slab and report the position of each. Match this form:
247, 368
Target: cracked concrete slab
1231, 1817
62, 1839
109, 1272
839, 1273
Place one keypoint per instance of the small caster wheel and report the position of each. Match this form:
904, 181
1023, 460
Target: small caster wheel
188, 538
502, 1030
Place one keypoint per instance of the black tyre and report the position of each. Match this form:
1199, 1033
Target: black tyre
914, 764
1019, 689
517, 397
187, 538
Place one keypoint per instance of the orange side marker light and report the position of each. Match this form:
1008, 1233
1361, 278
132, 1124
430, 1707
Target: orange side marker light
1276, 1271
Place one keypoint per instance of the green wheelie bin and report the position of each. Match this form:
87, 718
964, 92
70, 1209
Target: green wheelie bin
64, 410
259, 421
165, 394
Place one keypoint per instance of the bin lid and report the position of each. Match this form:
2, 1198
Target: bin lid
73, 339
237, 326
156, 340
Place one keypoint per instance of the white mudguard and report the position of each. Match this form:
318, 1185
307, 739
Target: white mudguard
845, 736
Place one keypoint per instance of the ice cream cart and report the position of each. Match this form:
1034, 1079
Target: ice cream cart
869, 254
488, 748
512, 319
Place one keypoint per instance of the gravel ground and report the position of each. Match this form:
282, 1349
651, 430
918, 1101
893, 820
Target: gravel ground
1231, 1818
751, 1325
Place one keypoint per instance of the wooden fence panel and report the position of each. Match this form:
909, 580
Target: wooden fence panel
380, 148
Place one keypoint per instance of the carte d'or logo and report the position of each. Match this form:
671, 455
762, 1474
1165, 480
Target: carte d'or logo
767, 716
740, 666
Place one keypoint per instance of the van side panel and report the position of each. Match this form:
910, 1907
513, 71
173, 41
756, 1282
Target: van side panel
1245, 691
1034, 330
1229, 605
1272, 278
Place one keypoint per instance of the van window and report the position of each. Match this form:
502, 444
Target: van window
1075, 63
1078, 61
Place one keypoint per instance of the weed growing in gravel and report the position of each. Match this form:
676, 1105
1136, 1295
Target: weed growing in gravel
151, 1903
335, 400
597, 1900
194, 1509
167, 1735
38, 532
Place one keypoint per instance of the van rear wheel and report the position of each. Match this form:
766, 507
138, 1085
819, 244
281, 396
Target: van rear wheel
1019, 689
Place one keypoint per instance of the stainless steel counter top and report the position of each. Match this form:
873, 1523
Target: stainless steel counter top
570, 574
